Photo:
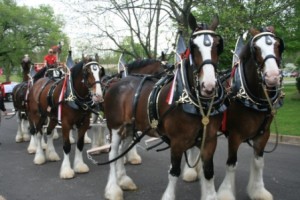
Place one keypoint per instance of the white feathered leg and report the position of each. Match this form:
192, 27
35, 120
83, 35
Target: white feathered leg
25, 130
208, 191
19, 136
51, 154
192, 174
55, 133
227, 188
169, 193
133, 157
87, 139
79, 165
31, 149
66, 172
125, 182
112, 190
256, 187
71, 136
39, 157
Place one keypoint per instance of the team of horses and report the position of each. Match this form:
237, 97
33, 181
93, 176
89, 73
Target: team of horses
185, 108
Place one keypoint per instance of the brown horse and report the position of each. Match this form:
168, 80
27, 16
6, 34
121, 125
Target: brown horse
177, 121
141, 66
68, 101
19, 101
255, 96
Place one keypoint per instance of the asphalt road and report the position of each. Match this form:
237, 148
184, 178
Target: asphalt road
21, 179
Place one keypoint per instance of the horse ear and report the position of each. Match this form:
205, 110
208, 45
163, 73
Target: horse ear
192, 22
254, 31
271, 29
214, 23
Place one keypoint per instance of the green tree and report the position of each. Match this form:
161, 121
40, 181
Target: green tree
238, 16
26, 30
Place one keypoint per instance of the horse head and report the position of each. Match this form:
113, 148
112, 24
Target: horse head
266, 50
26, 62
92, 74
205, 47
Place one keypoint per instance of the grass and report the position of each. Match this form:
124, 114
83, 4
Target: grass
288, 117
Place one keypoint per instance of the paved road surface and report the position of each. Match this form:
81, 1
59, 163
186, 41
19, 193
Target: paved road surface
20, 179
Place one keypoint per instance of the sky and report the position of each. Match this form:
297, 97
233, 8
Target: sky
73, 23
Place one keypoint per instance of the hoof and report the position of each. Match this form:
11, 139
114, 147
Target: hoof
225, 195
31, 150
127, 184
53, 156
55, 135
19, 139
190, 175
26, 138
260, 194
39, 160
82, 168
87, 140
113, 193
67, 174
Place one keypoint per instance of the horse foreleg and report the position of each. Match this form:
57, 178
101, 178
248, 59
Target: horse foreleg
66, 172
227, 188
79, 165
256, 187
133, 157
39, 157
25, 130
192, 174
51, 154
87, 139
55, 134
31, 149
174, 173
71, 136
125, 181
19, 136
112, 190
208, 191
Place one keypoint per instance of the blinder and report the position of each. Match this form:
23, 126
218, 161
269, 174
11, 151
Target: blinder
207, 42
281, 43
85, 72
268, 34
213, 34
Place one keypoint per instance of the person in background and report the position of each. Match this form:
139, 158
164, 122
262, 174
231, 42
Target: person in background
50, 59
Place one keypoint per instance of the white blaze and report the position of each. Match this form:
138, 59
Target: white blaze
207, 77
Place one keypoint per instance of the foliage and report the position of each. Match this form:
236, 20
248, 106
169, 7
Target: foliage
241, 15
26, 30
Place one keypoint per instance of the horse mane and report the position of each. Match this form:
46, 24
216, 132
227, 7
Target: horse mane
245, 52
76, 69
141, 63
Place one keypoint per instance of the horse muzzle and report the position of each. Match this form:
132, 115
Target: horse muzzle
208, 90
97, 98
272, 80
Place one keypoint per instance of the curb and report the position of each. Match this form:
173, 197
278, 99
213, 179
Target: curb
285, 139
